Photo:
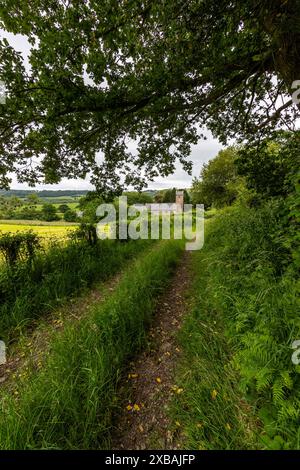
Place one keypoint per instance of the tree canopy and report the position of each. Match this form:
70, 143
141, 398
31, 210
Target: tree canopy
219, 183
48, 212
269, 168
105, 74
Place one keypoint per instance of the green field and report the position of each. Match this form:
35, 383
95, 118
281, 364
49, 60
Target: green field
38, 207
56, 204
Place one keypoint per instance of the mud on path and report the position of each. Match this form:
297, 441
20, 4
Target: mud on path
143, 422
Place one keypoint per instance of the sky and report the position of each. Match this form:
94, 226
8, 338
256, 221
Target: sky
201, 153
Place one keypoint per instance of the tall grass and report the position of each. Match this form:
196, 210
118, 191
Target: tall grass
238, 337
30, 290
211, 410
69, 403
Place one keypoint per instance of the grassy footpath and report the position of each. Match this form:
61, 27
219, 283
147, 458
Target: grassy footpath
241, 386
68, 404
30, 291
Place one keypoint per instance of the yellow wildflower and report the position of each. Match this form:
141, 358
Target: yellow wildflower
132, 376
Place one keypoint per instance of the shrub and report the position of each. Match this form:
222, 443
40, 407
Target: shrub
48, 213
70, 216
19, 246
63, 208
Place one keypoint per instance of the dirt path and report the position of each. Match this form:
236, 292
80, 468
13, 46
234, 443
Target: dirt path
143, 422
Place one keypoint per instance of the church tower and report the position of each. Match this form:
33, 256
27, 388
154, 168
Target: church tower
180, 199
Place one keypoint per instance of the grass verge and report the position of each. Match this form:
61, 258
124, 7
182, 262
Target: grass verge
68, 404
31, 291
237, 339
211, 411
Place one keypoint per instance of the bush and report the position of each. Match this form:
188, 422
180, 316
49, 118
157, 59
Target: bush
70, 216
21, 246
63, 208
48, 213
26, 213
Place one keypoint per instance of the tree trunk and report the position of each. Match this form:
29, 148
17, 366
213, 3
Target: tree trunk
281, 21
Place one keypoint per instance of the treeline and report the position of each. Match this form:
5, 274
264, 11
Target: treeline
24, 193
252, 173
25, 205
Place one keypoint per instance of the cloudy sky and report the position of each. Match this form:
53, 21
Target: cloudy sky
201, 153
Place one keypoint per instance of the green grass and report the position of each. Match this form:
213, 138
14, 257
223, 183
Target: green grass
60, 200
237, 338
39, 206
69, 403
211, 410
30, 291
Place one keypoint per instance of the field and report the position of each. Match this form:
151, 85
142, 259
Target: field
43, 229
38, 207
17, 208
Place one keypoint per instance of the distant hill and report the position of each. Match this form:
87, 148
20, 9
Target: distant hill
22, 193
150, 192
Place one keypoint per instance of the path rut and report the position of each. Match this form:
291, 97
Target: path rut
143, 422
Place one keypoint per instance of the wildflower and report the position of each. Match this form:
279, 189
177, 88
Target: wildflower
132, 376
158, 380
214, 394
136, 407
128, 407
